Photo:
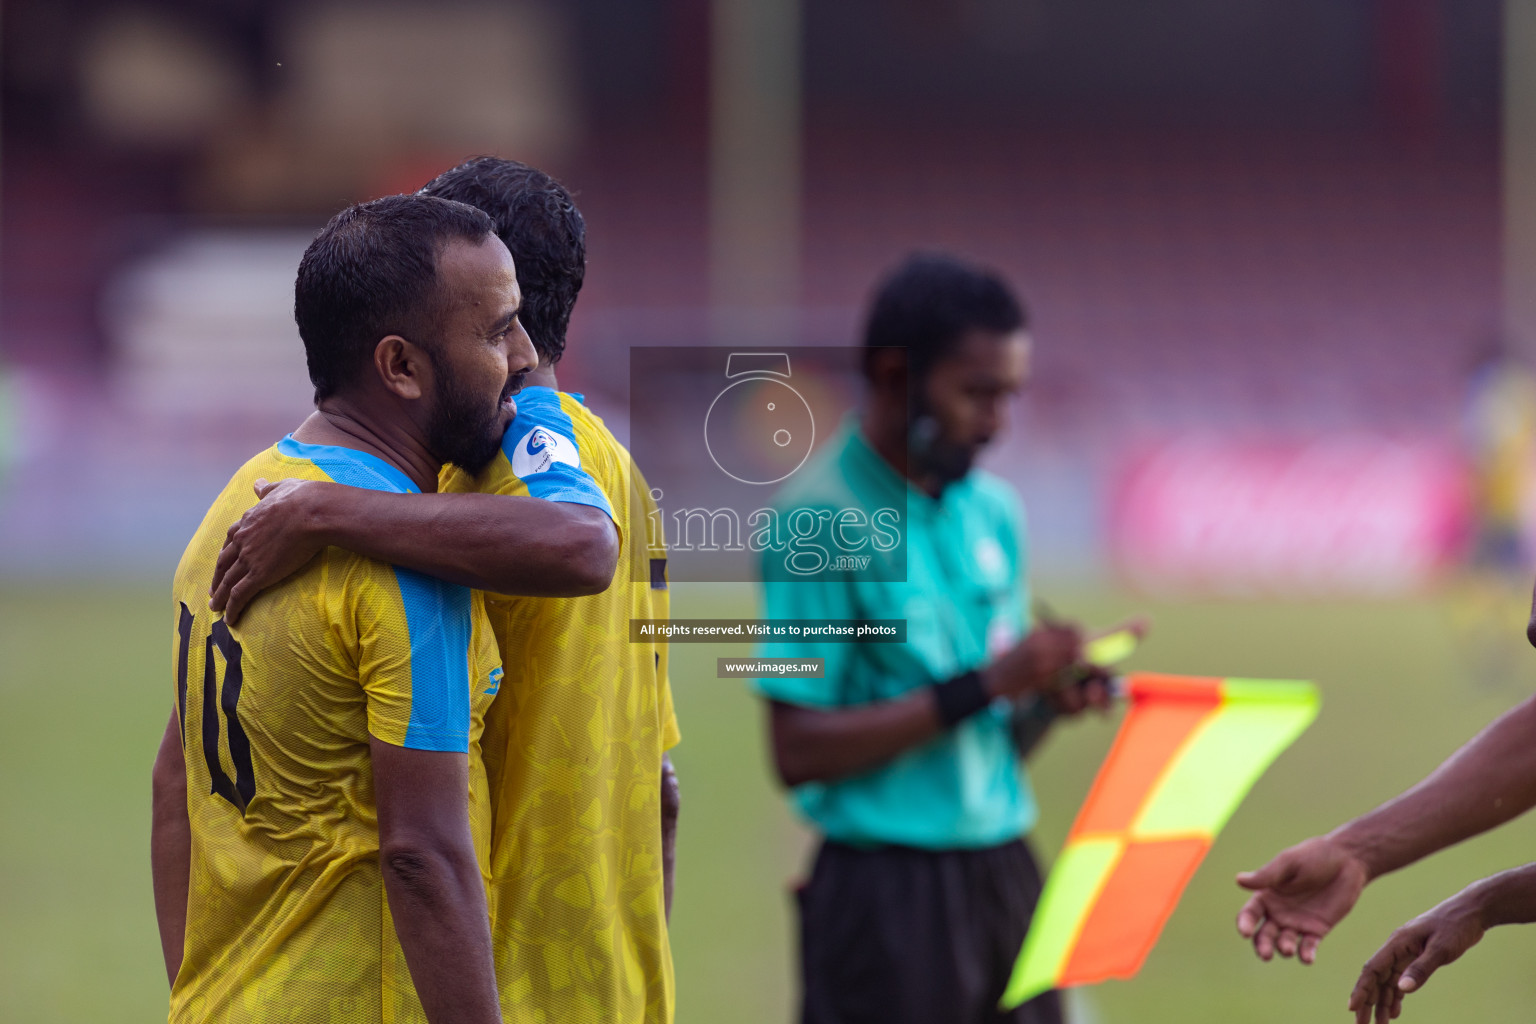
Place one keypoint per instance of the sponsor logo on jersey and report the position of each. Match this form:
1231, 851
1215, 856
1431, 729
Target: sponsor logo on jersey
538, 440
539, 449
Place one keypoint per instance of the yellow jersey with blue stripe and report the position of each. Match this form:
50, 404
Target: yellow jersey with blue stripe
286, 912
573, 746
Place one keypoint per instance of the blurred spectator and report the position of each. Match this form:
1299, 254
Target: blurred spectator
1499, 432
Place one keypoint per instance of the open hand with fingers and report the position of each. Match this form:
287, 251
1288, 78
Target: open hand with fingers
272, 541
1299, 896
1414, 952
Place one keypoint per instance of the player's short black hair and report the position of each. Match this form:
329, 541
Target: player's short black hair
370, 273
928, 302
539, 222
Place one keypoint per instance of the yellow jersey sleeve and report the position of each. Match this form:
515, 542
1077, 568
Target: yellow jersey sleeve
543, 455
412, 635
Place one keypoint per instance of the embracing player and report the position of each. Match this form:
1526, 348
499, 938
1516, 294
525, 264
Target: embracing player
584, 800
321, 814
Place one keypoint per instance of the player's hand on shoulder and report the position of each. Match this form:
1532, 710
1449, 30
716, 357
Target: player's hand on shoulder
1414, 952
1299, 896
273, 540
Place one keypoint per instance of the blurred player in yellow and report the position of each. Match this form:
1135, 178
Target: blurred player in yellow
583, 799
321, 814
1487, 598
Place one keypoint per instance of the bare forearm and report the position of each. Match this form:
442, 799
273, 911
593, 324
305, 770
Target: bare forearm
437, 900
170, 849
507, 545
171, 862
1484, 784
671, 805
1508, 897
432, 879
813, 745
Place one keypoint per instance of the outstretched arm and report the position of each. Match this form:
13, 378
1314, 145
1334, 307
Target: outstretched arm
1306, 890
500, 543
1438, 937
432, 879
170, 847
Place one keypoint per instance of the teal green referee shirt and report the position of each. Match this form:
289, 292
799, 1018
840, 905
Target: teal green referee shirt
964, 600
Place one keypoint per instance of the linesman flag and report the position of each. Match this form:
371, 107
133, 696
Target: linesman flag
1187, 753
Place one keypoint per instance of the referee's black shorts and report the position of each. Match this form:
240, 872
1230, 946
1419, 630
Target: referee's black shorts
895, 935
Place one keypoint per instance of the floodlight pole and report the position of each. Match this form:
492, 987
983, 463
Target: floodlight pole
1519, 177
754, 170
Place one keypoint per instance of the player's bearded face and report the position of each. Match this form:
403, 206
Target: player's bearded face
465, 429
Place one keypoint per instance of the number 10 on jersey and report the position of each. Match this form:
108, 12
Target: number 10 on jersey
243, 788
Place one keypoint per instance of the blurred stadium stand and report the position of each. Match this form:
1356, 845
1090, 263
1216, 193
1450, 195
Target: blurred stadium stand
1267, 218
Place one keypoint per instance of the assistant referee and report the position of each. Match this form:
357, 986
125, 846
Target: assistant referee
901, 754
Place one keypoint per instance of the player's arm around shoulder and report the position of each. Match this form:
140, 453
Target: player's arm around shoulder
512, 544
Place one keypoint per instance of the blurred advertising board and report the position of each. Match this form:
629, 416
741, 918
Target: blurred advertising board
1352, 514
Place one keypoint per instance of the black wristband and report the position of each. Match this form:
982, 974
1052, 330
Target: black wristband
960, 698
1032, 718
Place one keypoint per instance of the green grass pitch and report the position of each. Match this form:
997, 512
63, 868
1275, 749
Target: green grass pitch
85, 691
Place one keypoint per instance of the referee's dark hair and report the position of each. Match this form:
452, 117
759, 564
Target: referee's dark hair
928, 302
539, 222
370, 273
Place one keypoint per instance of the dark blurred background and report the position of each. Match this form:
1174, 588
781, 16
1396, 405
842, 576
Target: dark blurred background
1228, 216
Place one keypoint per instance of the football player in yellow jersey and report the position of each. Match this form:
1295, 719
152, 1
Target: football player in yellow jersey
1487, 596
583, 799
321, 814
